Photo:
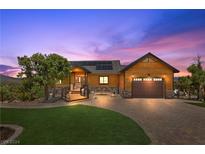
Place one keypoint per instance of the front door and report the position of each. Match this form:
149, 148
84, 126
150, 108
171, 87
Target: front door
79, 81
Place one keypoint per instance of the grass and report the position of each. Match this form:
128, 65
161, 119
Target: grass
74, 125
198, 104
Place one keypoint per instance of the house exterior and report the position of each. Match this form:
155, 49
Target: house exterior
147, 77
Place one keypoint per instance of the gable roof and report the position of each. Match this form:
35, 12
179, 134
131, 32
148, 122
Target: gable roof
146, 55
108, 66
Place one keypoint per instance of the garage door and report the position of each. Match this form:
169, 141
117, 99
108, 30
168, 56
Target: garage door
147, 88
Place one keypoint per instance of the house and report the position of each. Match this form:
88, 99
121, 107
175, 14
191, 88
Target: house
146, 77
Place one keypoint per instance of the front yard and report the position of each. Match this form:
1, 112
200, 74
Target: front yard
74, 125
197, 104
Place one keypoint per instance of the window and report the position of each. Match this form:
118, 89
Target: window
157, 79
147, 79
137, 79
103, 79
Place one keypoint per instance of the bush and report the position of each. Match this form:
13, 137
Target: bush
31, 94
10, 92
5, 93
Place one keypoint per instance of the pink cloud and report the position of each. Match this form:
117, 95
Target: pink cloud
182, 73
11, 72
184, 40
178, 50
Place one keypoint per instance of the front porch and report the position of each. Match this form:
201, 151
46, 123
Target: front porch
75, 87
78, 83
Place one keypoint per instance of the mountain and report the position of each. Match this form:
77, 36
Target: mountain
6, 67
9, 70
7, 79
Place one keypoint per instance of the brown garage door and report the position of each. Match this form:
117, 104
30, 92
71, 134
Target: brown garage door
147, 89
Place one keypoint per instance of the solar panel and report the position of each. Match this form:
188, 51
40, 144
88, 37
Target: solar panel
100, 65
92, 63
104, 67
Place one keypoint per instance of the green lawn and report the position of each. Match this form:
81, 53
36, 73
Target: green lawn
74, 125
198, 104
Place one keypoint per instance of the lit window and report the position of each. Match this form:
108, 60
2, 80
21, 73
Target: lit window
157, 79
103, 79
137, 79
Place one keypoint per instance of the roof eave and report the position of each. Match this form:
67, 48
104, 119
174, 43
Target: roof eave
83, 68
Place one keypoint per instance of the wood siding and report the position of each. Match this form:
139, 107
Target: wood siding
152, 69
148, 66
121, 81
93, 80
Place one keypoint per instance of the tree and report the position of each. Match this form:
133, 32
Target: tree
197, 75
27, 76
184, 84
45, 70
203, 85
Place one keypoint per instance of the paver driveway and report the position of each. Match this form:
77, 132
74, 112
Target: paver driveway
166, 121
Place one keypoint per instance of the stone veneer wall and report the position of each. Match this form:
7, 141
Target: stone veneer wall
125, 93
169, 94
104, 89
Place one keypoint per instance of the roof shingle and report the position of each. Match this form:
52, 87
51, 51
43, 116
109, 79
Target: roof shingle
110, 67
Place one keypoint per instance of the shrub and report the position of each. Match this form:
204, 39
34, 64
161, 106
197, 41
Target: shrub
5, 93
35, 92
10, 92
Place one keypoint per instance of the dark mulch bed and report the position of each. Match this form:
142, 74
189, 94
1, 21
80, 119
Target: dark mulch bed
5, 133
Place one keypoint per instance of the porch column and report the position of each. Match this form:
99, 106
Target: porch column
86, 78
74, 81
69, 82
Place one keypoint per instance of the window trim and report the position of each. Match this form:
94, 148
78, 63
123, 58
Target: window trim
103, 77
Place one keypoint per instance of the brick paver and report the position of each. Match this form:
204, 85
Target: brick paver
166, 121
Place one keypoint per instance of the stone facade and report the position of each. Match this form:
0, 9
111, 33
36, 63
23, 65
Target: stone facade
169, 94
125, 93
104, 89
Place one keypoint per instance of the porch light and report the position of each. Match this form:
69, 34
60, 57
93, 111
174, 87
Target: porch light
132, 76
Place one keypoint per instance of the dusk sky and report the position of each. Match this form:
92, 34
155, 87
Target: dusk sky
176, 36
